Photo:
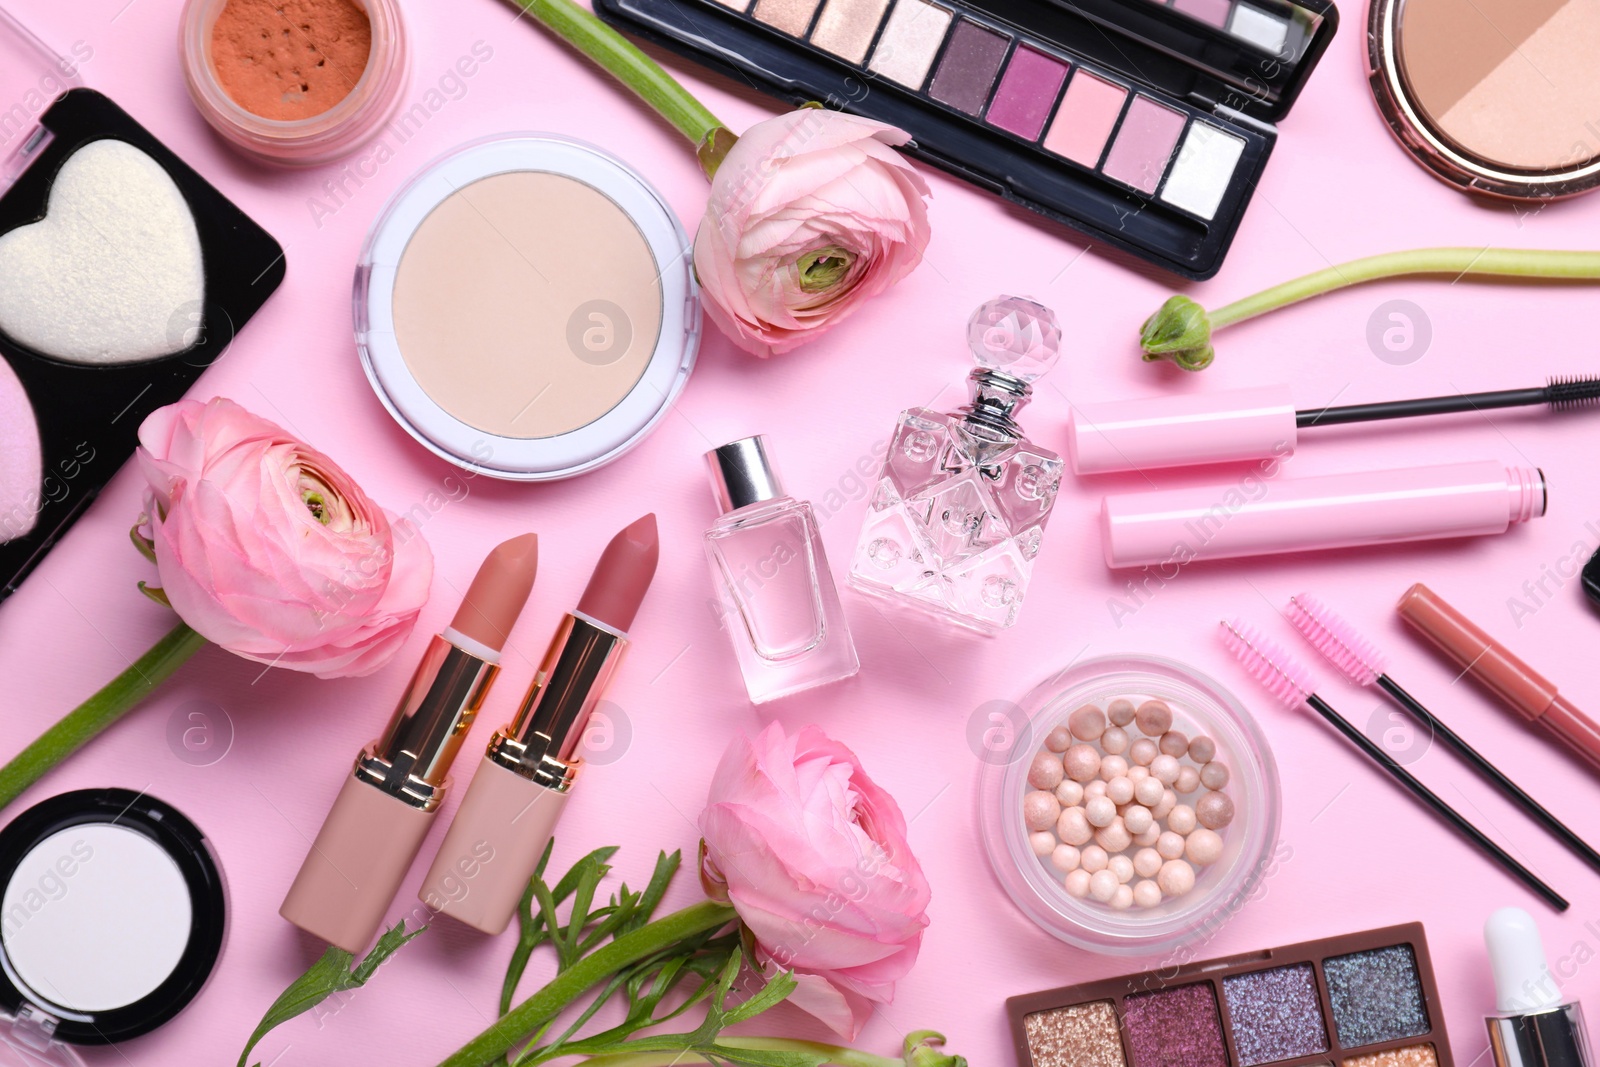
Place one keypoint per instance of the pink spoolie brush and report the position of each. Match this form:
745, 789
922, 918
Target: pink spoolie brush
1359, 660
1287, 679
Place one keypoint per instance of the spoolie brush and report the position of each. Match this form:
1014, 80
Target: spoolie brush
1287, 679
1559, 394
1358, 659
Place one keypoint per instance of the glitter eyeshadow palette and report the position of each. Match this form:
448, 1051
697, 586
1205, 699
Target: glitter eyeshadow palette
123, 275
1362, 1000
1145, 125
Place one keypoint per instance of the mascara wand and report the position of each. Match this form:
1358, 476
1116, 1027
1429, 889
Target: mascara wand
1359, 660
1285, 678
1560, 394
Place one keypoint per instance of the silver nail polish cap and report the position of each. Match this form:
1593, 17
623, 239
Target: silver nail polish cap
742, 474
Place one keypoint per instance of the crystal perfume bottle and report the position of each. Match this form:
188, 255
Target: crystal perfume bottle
955, 521
776, 596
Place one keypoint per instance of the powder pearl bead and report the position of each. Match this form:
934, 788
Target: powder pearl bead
1065, 858
1122, 867
1173, 744
1096, 788
1148, 792
1170, 845
1214, 810
1070, 793
1146, 893
1137, 774
1146, 862
1082, 763
1113, 767
1094, 859
1164, 806
1163, 768
1203, 847
1214, 775
1058, 740
1042, 843
1077, 883
1149, 837
1142, 752
1114, 741
1120, 790
1188, 780
1103, 886
1180, 820
1153, 717
1137, 818
1120, 712
1099, 811
1045, 772
1040, 810
1176, 878
1122, 899
1202, 749
1113, 838
1087, 723
1073, 828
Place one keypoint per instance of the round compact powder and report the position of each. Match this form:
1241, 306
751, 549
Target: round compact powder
1513, 83
287, 60
95, 917
527, 304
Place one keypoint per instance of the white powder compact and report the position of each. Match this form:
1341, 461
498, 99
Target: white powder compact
112, 915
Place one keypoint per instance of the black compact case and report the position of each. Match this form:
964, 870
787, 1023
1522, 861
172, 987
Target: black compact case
88, 415
1235, 66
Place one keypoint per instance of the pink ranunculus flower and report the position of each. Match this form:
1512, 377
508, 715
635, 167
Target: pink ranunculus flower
810, 214
812, 854
267, 548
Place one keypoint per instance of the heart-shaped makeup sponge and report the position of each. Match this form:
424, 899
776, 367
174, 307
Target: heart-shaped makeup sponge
21, 463
113, 272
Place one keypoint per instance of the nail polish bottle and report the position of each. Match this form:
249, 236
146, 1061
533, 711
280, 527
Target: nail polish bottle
776, 596
956, 519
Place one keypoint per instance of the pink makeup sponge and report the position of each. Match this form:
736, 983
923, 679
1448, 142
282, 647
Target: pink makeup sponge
21, 462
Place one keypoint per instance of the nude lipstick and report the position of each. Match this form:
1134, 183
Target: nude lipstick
372, 835
510, 811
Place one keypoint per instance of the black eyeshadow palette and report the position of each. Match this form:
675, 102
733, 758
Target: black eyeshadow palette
123, 276
1143, 124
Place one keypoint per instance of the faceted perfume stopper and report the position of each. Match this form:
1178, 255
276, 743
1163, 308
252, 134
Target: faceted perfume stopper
1015, 336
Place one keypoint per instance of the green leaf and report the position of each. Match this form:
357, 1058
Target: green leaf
329, 975
530, 933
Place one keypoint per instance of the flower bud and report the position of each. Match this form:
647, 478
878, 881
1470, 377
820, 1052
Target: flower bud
1181, 332
924, 1048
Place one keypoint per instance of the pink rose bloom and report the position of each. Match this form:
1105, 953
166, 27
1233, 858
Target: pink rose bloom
810, 214
813, 857
267, 548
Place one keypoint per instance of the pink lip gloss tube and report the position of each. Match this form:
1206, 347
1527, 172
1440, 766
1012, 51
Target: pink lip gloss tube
1255, 516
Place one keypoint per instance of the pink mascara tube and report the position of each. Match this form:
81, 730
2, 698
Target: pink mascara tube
1255, 516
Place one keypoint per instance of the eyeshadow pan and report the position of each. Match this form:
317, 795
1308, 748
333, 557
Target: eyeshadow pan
790, 16
1175, 1027
1213, 11
910, 40
1085, 119
1027, 91
1376, 996
1082, 1035
846, 27
1144, 144
1205, 165
1275, 1014
967, 70
1410, 1056
1260, 28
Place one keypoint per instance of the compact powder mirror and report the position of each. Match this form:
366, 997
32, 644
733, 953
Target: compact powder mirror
112, 915
1499, 97
526, 307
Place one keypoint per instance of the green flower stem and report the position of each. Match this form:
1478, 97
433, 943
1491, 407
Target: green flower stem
121, 695
624, 61
589, 971
831, 1054
1457, 262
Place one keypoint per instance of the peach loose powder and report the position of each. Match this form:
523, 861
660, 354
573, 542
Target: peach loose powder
290, 59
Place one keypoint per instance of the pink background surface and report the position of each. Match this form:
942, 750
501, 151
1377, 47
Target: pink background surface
1363, 855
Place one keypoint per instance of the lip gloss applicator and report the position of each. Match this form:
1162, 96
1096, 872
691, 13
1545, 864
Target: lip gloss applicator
521, 788
377, 824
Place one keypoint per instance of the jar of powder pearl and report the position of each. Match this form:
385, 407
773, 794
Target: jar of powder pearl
295, 82
1129, 805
